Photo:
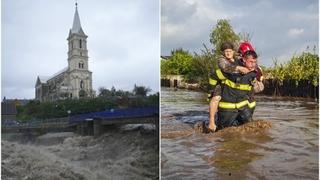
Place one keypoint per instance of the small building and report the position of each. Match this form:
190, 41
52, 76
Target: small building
17, 102
8, 111
172, 81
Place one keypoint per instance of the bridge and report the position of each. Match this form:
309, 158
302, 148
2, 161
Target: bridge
89, 123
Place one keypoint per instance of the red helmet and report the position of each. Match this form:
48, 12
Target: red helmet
244, 47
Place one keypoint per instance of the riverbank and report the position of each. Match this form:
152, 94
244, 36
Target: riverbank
130, 152
272, 87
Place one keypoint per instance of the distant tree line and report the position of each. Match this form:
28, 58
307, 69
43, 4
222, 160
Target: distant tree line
107, 99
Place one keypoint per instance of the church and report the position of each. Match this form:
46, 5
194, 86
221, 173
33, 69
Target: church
73, 81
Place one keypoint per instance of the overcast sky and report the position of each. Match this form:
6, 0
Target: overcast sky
123, 42
279, 28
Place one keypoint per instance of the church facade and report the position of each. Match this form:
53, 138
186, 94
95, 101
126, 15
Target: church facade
73, 81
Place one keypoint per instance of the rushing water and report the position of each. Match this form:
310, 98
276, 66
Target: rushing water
126, 153
287, 150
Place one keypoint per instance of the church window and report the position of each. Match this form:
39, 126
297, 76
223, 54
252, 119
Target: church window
80, 43
81, 84
81, 65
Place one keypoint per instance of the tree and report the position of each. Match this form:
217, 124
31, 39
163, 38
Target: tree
140, 90
180, 63
202, 64
103, 92
221, 33
302, 67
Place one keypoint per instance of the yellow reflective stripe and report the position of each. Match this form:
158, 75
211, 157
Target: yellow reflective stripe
227, 105
252, 104
209, 97
220, 75
212, 82
244, 87
241, 104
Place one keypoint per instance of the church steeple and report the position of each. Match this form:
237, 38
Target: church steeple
77, 43
76, 27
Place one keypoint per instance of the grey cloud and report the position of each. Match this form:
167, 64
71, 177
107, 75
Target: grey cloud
177, 11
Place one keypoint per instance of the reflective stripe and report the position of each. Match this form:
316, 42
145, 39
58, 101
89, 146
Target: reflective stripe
227, 105
252, 105
212, 82
209, 97
244, 87
220, 75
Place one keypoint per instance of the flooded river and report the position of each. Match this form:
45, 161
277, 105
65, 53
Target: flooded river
130, 152
286, 150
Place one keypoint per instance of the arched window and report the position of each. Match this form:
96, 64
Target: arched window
81, 65
81, 84
80, 43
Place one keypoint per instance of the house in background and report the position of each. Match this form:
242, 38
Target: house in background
8, 111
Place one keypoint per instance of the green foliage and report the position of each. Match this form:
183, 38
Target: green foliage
180, 63
303, 67
106, 99
140, 90
113, 92
203, 63
222, 32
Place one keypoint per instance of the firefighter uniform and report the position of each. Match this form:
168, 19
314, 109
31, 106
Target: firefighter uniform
236, 105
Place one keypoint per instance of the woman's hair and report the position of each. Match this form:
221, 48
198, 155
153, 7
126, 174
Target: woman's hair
226, 45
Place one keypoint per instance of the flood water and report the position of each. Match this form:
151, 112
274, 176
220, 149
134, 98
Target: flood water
286, 150
130, 152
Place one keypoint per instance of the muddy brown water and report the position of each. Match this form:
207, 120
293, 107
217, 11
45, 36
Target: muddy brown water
282, 142
131, 152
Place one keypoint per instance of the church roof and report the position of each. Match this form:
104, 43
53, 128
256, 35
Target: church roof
58, 73
76, 27
43, 79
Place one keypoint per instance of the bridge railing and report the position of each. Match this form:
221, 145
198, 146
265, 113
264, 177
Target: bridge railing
45, 123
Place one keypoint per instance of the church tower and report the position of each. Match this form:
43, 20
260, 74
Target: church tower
74, 81
80, 76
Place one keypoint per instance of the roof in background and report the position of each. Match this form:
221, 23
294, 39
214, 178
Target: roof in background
8, 109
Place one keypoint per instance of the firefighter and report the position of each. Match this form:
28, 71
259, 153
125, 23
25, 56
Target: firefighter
235, 107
